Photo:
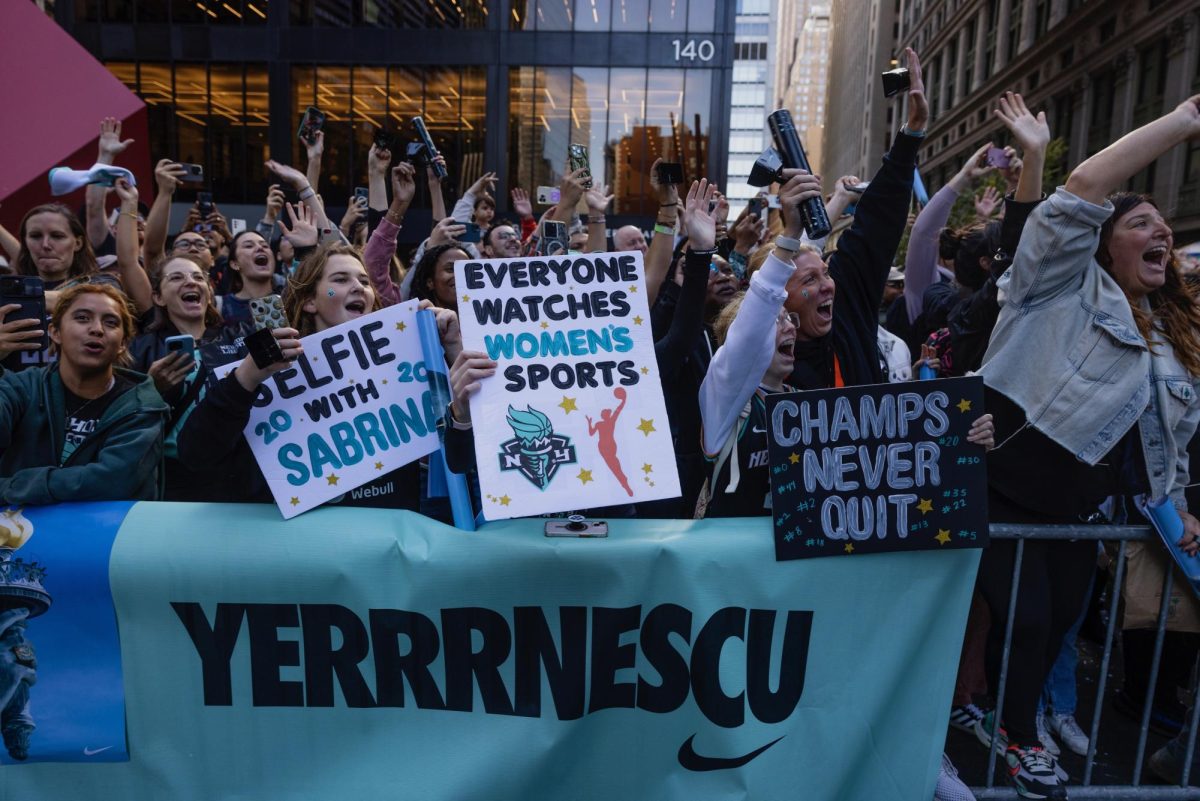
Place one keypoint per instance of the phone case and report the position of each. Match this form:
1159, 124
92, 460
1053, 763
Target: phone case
268, 312
263, 348
577, 157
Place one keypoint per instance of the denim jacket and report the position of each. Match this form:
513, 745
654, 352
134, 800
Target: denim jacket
1067, 351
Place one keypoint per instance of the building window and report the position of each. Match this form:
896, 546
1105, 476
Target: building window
989, 39
214, 115
1014, 28
627, 117
969, 59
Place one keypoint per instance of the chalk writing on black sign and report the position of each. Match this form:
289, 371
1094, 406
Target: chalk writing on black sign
879, 468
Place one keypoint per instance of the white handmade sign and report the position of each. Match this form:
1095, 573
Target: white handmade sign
574, 416
354, 407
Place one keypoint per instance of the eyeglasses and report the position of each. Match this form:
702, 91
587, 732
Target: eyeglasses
790, 318
505, 236
191, 244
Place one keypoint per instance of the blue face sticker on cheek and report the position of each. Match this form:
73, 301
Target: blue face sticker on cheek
804, 292
331, 293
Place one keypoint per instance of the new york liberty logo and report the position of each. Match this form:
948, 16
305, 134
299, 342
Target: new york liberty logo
535, 449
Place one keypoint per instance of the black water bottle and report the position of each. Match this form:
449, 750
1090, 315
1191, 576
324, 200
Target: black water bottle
787, 142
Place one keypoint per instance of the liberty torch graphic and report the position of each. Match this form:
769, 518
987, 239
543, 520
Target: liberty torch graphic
535, 450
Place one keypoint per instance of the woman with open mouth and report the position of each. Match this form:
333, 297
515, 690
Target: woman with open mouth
1092, 372
83, 428
183, 307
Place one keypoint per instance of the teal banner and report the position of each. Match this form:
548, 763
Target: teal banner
364, 653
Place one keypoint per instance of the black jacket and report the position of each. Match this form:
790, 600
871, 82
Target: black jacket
860, 267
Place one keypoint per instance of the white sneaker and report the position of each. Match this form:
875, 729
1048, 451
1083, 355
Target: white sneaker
949, 786
1045, 739
1068, 730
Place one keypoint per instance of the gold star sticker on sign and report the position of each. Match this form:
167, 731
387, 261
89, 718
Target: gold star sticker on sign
504, 500
400, 326
646, 426
849, 547
466, 298
964, 405
568, 405
332, 479
943, 536
633, 288
925, 506
379, 465
645, 371
584, 476
637, 320
295, 501
545, 325
794, 457
647, 468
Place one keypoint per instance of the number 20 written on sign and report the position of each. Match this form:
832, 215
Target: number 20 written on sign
273, 426
691, 50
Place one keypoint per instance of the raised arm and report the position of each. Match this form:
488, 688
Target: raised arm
597, 199
658, 254
167, 175
133, 277
1109, 169
1033, 135
314, 150
382, 245
9, 244
437, 199
377, 175
687, 322
109, 147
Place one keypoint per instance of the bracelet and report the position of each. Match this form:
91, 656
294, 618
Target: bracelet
674, 205
904, 129
596, 218
787, 243
132, 214
307, 192
704, 253
659, 228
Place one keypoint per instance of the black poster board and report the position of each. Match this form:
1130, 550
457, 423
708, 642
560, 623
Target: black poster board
877, 468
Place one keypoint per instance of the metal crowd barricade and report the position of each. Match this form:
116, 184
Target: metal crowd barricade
1086, 790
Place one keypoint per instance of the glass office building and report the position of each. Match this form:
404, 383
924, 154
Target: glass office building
504, 85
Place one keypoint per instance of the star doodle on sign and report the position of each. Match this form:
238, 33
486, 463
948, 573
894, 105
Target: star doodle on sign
332, 479
379, 465
585, 476
545, 325
849, 547
943, 536
637, 320
646, 426
504, 500
633, 288
645, 371
964, 405
568, 405
794, 458
294, 501
400, 326
466, 298
647, 468
925, 506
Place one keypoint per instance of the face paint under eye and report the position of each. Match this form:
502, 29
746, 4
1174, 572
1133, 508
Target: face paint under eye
330, 292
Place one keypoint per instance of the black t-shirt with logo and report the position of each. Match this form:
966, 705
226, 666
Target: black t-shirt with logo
83, 415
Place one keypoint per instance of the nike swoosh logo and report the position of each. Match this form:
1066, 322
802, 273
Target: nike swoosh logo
690, 760
758, 430
94, 751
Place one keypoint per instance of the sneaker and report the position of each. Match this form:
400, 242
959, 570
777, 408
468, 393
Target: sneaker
983, 731
965, 717
949, 786
1044, 737
1033, 772
1068, 730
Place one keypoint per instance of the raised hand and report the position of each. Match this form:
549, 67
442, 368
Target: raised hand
597, 199
972, 170
433, 179
169, 371
127, 193
289, 175
521, 204
470, 368
356, 209
485, 183
571, 189
1030, 132
404, 183
987, 203
316, 147
274, 203
168, 175
446, 231
303, 231
110, 144
918, 105
801, 185
699, 224
250, 375
1189, 112
378, 160
667, 194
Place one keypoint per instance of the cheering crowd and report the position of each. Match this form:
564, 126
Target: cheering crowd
1071, 305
